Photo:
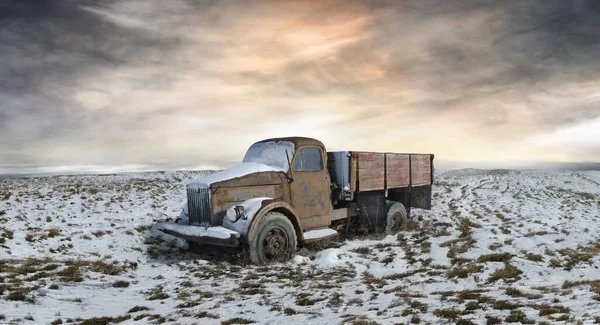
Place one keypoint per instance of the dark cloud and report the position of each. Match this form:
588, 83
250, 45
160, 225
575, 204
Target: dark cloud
51, 41
46, 48
84, 75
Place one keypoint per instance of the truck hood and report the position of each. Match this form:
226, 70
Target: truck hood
240, 170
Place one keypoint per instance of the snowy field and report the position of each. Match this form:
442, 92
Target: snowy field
498, 247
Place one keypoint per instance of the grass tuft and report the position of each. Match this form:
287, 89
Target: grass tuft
464, 271
237, 320
138, 308
120, 284
499, 257
509, 274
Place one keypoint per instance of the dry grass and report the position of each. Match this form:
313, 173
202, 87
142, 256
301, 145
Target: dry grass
71, 274
509, 274
303, 299
451, 314
571, 257
514, 292
464, 271
138, 309
534, 257
500, 257
237, 320
105, 320
517, 316
289, 311
546, 310
458, 246
120, 284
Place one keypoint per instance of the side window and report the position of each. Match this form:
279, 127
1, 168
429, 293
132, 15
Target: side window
309, 160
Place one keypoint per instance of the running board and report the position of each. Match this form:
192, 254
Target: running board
319, 234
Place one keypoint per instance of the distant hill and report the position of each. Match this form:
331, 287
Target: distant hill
571, 166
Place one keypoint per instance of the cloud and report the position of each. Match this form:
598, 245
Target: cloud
184, 83
581, 139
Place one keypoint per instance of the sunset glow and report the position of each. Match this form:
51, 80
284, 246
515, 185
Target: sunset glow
123, 85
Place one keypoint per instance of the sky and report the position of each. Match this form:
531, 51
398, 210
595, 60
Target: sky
126, 85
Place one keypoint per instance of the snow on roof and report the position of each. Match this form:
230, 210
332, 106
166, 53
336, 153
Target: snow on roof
240, 170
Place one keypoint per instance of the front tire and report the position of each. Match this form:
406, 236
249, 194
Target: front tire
397, 217
274, 239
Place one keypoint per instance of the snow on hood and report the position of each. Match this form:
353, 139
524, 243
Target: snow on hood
240, 170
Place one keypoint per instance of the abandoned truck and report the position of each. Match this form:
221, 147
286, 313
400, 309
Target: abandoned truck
290, 191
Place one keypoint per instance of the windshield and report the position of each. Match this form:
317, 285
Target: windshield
272, 153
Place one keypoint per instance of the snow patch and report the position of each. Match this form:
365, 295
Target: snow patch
332, 257
199, 231
298, 259
319, 233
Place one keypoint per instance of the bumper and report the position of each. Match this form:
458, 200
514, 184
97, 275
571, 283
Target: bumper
218, 236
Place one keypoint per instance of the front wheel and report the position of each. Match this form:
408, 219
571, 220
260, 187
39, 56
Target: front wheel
274, 239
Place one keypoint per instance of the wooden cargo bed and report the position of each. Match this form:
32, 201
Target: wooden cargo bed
371, 171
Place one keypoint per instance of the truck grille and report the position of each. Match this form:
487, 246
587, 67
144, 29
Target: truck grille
199, 205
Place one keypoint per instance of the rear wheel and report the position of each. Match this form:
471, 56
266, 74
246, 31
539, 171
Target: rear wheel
397, 217
274, 239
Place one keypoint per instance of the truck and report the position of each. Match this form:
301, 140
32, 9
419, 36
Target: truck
291, 191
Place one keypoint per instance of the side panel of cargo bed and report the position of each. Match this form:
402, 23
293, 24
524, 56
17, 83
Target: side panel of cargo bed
398, 170
370, 171
420, 166
382, 171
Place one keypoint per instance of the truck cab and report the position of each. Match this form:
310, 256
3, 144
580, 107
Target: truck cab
283, 195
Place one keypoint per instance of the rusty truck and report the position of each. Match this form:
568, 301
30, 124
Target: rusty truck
291, 191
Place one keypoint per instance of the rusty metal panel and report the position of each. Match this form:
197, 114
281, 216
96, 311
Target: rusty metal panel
228, 197
235, 191
237, 194
339, 214
371, 171
263, 178
397, 170
420, 170
310, 193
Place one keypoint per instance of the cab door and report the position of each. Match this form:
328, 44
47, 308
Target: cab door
310, 188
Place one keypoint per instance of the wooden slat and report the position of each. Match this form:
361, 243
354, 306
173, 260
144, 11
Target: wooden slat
371, 184
371, 172
398, 174
369, 164
421, 169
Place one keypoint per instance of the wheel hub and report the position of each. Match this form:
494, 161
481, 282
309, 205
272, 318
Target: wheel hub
275, 243
397, 218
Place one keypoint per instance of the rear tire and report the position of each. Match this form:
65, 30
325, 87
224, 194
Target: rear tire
397, 217
274, 239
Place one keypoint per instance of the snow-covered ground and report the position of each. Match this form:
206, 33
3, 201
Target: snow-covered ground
498, 247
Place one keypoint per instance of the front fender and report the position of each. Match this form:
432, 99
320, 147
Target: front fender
280, 206
251, 208
254, 210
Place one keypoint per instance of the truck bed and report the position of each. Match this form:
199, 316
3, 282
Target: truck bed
356, 171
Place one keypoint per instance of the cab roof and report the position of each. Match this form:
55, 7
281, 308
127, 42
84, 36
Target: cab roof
297, 141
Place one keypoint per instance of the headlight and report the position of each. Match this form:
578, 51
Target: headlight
239, 212
235, 213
